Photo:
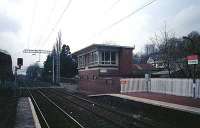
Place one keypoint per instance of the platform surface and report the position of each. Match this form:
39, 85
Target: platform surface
181, 100
173, 102
26, 116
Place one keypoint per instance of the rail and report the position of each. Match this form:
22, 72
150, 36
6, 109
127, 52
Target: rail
137, 123
81, 126
38, 108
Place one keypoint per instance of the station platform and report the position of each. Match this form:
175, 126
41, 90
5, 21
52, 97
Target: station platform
180, 103
26, 116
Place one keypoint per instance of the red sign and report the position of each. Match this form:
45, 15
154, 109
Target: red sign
124, 82
192, 57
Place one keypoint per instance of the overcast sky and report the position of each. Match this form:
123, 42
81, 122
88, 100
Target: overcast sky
31, 23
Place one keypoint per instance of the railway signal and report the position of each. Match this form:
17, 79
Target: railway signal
19, 62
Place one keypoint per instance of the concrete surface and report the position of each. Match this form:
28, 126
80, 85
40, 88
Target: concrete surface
193, 110
26, 116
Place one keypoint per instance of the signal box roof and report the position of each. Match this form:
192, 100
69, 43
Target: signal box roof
93, 46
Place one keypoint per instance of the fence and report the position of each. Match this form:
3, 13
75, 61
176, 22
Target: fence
7, 84
179, 87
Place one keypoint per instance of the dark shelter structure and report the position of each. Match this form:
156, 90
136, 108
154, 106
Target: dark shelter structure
5, 66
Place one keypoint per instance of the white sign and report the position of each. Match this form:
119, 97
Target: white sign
192, 61
103, 70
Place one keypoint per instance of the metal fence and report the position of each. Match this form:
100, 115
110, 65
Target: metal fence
179, 87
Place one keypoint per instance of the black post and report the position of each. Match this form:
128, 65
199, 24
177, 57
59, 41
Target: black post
194, 81
15, 82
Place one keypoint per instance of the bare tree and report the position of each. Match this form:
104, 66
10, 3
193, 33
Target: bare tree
173, 51
166, 44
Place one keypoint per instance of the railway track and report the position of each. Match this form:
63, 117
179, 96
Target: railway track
114, 117
50, 114
87, 118
57, 108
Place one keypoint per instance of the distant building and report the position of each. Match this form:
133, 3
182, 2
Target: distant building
149, 49
101, 66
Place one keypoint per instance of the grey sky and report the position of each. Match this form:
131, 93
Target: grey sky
84, 19
7, 24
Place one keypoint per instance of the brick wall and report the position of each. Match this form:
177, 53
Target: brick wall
125, 61
97, 73
100, 85
88, 74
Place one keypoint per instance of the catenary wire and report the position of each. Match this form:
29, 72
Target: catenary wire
57, 22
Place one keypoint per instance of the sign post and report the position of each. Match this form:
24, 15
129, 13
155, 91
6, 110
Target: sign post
19, 63
193, 60
147, 79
